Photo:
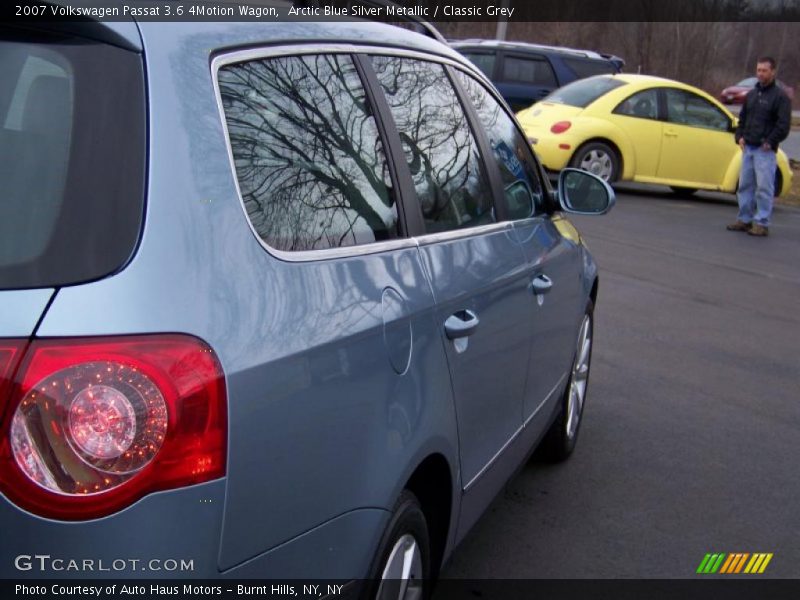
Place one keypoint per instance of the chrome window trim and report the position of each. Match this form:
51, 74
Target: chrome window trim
239, 56
458, 234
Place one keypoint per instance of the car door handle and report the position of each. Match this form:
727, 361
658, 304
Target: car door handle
670, 133
541, 284
461, 324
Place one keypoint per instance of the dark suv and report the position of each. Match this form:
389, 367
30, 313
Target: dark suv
526, 73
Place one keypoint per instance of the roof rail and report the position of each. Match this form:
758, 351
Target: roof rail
421, 25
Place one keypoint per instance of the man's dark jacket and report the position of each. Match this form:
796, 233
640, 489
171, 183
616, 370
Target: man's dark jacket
766, 116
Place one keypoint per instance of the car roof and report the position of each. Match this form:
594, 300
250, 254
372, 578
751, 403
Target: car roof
126, 32
231, 34
644, 79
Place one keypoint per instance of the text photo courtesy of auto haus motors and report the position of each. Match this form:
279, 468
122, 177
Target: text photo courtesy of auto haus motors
295, 299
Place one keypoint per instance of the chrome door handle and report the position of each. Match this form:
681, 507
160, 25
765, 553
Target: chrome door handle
461, 324
541, 284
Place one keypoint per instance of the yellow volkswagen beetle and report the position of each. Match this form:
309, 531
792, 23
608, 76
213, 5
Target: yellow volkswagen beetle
640, 128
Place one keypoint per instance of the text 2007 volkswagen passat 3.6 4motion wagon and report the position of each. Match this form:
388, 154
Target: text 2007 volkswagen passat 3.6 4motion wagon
286, 300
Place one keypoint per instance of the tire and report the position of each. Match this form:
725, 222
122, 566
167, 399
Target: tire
778, 183
683, 191
404, 549
598, 158
560, 440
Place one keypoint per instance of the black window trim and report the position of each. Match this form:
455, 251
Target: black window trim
492, 167
496, 177
488, 167
408, 210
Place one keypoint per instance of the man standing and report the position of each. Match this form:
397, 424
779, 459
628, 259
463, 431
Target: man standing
764, 122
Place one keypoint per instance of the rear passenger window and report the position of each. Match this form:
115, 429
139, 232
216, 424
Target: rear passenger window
528, 70
588, 67
484, 61
441, 152
522, 189
309, 161
642, 104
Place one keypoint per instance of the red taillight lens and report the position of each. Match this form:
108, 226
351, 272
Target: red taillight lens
560, 127
10, 352
93, 425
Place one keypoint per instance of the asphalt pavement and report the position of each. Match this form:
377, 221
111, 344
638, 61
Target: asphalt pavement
791, 145
691, 435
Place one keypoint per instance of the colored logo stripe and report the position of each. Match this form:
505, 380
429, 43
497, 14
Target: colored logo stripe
734, 563
711, 563
758, 563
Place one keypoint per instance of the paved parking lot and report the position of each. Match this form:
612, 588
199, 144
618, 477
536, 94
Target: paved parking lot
692, 432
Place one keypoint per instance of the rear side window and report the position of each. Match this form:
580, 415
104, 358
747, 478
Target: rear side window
587, 67
309, 162
536, 71
583, 92
483, 60
442, 154
72, 140
642, 104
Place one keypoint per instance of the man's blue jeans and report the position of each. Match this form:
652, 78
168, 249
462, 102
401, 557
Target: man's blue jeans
757, 185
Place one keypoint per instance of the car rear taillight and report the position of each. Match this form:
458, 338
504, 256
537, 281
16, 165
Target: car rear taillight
560, 127
93, 425
10, 352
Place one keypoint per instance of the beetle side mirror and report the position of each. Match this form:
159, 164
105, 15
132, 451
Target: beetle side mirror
584, 193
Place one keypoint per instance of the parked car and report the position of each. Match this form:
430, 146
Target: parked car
525, 73
261, 319
735, 94
641, 128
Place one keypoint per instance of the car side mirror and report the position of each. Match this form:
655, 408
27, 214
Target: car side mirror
584, 193
734, 124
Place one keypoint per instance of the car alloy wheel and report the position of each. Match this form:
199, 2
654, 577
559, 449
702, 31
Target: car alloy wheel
402, 567
561, 438
579, 377
402, 577
599, 159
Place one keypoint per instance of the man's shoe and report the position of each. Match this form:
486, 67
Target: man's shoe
740, 226
758, 230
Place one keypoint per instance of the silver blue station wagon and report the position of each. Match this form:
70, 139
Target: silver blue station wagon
277, 300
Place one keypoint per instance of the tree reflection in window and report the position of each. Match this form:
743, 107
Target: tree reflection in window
440, 150
522, 190
309, 162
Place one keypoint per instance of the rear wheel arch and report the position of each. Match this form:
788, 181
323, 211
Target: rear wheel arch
432, 484
593, 293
